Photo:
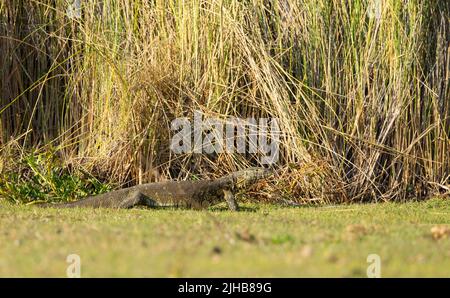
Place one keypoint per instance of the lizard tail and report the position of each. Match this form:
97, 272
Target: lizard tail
57, 205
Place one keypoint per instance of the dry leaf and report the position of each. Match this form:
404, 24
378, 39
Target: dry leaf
246, 236
440, 232
306, 251
355, 231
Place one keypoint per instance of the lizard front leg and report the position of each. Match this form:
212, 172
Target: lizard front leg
230, 199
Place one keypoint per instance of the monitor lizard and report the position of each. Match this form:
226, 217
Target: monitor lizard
189, 194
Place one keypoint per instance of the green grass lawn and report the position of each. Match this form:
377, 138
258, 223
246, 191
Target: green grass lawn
263, 241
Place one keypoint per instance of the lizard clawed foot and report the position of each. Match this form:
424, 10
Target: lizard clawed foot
231, 200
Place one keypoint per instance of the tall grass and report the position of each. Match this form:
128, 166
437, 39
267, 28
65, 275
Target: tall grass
360, 88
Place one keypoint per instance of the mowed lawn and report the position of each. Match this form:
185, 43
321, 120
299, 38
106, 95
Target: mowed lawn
411, 239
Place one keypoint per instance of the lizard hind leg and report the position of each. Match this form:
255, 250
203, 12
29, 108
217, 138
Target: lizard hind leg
231, 200
133, 199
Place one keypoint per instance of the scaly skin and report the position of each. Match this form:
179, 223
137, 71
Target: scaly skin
188, 194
